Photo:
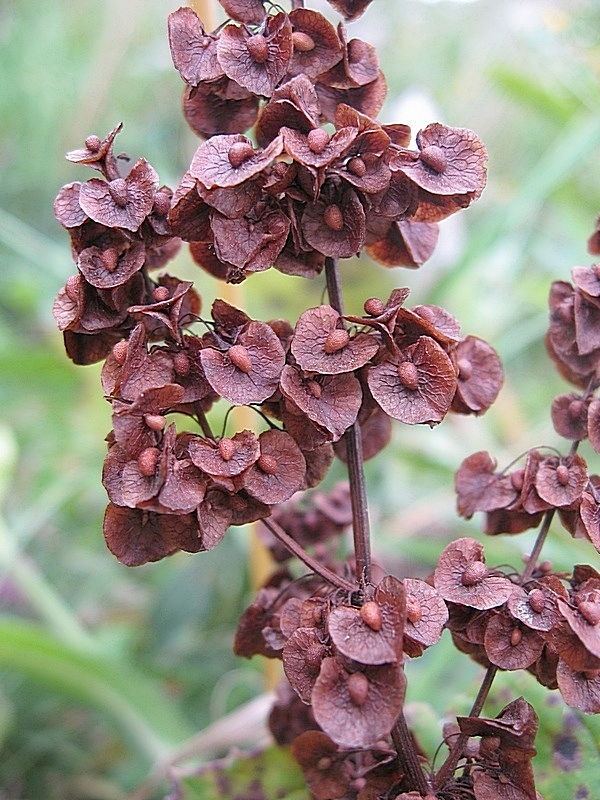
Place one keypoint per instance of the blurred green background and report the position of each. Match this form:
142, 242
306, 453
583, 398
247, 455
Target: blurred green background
104, 669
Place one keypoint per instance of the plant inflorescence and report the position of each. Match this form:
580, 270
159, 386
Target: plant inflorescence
319, 180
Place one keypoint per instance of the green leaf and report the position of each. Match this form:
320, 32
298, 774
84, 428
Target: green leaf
269, 774
135, 703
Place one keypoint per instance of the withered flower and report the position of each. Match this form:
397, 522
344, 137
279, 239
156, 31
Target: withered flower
511, 645
480, 488
136, 537
426, 615
231, 159
219, 107
257, 61
416, 387
303, 654
480, 376
580, 689
121, 202
322, 344
227, 457
461, 576
570, 416
335, 224
330, 401
372, 634
193, 50
316, 44
405, 244
450, 161
249, 370
357, 708
279, 470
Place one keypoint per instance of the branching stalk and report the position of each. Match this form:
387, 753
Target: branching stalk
354, 455
312, 563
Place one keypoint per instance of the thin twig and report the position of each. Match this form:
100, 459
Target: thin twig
297, 549
456, 753
537, 548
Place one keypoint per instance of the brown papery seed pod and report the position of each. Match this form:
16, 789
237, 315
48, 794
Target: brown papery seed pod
589, 611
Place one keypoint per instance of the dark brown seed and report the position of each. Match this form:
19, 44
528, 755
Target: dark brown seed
239, 152
408, 374
181, 364
334, 218
303, 43
162, 204
358, 688
156, 422
147, 461
119, 352
118, 191
357, 167
589, 611
72, 288
515, 637
370, 613
434, 157
315, 389
317, 139
474, 573
240, 357
268, 464
537, 600
226, 448
110, 259
414, 612
93, 143
337, 340
465, 369
258, 48
161, 293
562, 473
373, 307
516, 479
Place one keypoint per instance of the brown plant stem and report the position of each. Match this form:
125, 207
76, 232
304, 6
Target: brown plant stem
537, 548
293, 546
455, 754
354, 454
408, 757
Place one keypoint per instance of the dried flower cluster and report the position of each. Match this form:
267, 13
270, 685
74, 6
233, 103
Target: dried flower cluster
320, 179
